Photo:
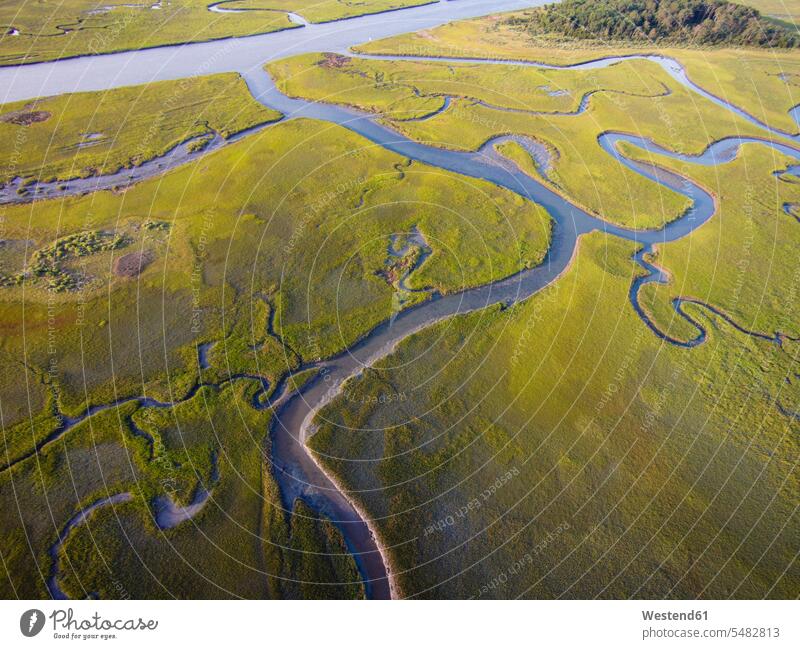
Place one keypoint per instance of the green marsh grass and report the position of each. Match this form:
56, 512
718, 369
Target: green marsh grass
92, 133
764, 82
632, 96
587, 457
54, 30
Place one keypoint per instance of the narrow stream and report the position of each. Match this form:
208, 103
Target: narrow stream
68, 423
221, 8
187, 151
78, 519
240, 54
297, 471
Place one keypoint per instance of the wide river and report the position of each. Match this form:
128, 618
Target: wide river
104, 71
297, 471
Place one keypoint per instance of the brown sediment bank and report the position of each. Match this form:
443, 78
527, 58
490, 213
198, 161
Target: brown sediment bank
133, 263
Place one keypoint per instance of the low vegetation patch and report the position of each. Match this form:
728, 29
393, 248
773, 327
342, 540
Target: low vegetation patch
25, 117
332, 60
632, 96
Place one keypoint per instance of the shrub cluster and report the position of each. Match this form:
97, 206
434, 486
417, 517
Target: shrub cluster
47, 261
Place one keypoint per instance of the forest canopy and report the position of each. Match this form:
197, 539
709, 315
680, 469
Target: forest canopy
688, 22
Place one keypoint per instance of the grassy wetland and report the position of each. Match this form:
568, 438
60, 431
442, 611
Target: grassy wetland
193, 358
761, 81
230, 267
529, 431
717, 264
43, 31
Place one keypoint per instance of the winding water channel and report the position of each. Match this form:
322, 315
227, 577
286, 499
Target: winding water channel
222, 8
301, 476
298, 473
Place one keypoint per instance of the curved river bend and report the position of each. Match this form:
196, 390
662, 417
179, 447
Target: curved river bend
297, 471
672, 67
106, 71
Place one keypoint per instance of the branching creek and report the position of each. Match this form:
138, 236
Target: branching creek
297, 470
